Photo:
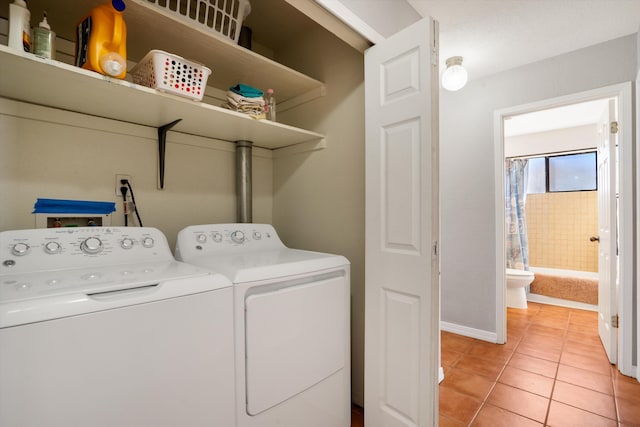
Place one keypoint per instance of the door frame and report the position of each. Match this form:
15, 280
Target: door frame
623, 92
637, 266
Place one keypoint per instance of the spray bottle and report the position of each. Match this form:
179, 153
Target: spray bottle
101, 43
19, 26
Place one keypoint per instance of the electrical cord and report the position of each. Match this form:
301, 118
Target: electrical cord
133, 199
124, 190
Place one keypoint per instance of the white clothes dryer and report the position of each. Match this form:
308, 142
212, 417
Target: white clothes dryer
102, 327
291, 324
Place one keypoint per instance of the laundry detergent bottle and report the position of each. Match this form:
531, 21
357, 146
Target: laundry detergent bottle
101, 43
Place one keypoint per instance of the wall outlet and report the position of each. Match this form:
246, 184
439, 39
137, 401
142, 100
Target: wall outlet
120, 177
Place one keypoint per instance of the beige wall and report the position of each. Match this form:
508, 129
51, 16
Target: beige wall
49, 153
319, 196
559, 226
314, 199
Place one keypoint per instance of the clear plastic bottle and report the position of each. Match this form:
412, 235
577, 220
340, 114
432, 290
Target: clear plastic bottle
270, 105
44, 39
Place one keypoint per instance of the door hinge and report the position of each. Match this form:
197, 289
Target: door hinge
435, 46
613, 127
614, 321
434, 248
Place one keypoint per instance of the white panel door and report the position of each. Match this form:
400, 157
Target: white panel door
607, 221
402, 229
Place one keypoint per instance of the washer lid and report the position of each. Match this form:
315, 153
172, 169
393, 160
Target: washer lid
39, 296
272, 264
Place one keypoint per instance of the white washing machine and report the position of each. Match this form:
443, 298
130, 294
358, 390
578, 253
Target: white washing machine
291, 324
102, 327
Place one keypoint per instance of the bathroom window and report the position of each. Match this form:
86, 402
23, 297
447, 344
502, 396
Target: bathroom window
564, 172
537, 175
572, 172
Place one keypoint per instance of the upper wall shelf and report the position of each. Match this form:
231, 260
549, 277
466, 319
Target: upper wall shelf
230, 63
149, 27
50, 83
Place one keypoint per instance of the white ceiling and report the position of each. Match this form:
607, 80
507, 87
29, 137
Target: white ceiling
568, 116
497, 35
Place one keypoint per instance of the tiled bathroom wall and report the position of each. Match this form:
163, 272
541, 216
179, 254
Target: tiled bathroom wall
559, 226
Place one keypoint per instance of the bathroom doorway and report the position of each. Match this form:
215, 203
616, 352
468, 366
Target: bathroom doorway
549, 116
555, 237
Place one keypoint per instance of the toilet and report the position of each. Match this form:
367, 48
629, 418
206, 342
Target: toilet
517, 280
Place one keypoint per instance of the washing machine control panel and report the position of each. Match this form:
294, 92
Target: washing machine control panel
59, 248
225, 238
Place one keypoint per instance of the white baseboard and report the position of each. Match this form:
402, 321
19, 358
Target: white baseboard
543, 299
469, 332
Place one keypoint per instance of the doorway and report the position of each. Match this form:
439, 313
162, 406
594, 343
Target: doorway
552, 159
622, 301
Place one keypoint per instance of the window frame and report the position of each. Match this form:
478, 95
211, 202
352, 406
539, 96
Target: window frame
546, 170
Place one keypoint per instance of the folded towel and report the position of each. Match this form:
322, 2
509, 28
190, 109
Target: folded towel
246, 90
239, 99
247, 109
254, 107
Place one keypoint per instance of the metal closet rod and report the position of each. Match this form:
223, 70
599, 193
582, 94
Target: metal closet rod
553, 153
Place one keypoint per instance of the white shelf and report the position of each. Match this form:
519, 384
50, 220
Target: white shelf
150, 27
25, 77
230, 63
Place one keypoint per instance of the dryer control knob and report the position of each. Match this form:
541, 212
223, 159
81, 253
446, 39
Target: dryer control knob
91, 246
257, 235
20, 249
148, 242
201, 238
52, 248
237, 236
126, 243
217, 237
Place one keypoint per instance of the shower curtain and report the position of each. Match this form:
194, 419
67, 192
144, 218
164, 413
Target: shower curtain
517, 244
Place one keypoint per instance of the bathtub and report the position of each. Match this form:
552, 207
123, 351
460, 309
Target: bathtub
559, 301
565, 273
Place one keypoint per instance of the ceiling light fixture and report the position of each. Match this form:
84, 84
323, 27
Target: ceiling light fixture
455, 76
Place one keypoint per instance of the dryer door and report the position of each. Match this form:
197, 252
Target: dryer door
295, 338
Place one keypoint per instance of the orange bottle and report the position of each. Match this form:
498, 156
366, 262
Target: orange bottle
101, 43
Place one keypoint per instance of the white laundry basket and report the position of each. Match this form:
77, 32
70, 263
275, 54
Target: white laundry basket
221, 17
171, 73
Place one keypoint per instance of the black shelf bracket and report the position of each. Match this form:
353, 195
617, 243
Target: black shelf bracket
162, 147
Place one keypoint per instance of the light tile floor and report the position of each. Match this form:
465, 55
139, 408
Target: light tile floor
552, 371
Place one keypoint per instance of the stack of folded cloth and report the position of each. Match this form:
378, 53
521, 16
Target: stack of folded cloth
245, 99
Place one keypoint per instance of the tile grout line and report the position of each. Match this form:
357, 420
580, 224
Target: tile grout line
526, 330
546, 417
612, 370
555, 377
615, 396
495, 383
